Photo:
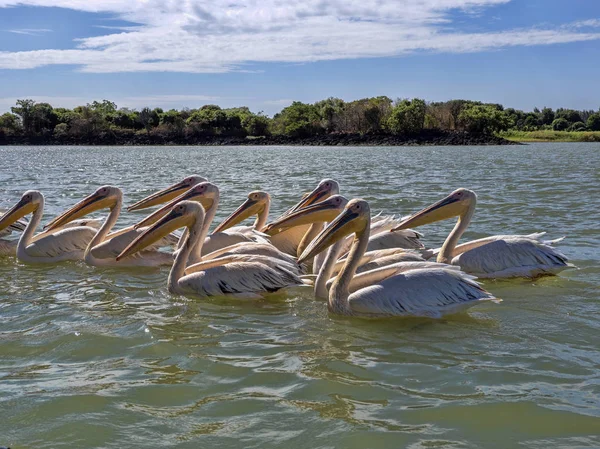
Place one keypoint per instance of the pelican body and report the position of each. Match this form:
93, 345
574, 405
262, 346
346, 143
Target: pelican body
500, 256
425, 292
65, 244
226, 277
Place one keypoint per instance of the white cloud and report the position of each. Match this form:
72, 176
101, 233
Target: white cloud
29, 31
203, 36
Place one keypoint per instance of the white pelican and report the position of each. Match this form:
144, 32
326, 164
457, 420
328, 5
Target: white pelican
326, 211
380, 239
207, 194
431, 292
500, 256
102, 250
65, 244
240, 279
258, 204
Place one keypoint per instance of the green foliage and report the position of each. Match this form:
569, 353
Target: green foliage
484, 119
551, 136
9, 123
407, 116
560, 124
298, 120
332, 116
569, 115
593, 122
577, 126
547, 116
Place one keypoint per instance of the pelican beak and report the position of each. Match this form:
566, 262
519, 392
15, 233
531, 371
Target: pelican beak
318, 194
246, 210
190, 194
172, 221
321, 212
162, 196
446, 208
85, 207
17, 212
335, 231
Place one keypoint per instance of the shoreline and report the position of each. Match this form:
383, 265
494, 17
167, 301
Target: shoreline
425, 138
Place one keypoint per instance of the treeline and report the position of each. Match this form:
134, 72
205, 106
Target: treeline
333, 116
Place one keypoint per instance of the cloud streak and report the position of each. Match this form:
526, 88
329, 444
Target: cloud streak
199, 36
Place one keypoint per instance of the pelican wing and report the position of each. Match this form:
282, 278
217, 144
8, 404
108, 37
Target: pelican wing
421, 292
70, 240
512, 256
389, 260
110, 249
219, 240
407, 239
238, 278
8, 248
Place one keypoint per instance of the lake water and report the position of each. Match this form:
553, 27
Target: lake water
106, 358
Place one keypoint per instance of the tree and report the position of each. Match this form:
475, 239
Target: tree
209, 119
24, 109
547, 116
484, 119
531, 122
577, 126
298, 120
256, 125
149, 118
407, 116
9, 124
569, 115
560, 124
593, 122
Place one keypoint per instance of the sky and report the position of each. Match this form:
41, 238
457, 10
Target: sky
267, 53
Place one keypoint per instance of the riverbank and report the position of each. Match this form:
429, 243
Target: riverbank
427, 137
551, 136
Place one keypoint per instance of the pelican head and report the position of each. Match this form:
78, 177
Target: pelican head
455, 204
167, 194
325, 189
182, 214
354, 219
324, 211
255, 204
206, 193
103, 197
29, 203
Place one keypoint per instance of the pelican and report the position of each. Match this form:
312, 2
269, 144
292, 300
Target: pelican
102, 250
380, 239
326, 211
258, 204
208, 195
240, 279
500, 256
65, 244
425, 292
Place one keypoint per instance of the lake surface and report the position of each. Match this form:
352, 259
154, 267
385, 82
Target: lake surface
106, 358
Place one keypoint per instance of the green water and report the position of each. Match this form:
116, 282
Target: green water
106, 358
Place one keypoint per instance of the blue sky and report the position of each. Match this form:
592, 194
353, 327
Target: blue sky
266, 53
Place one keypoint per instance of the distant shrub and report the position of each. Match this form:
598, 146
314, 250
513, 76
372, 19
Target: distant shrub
560, 124
593, 122
577, 126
